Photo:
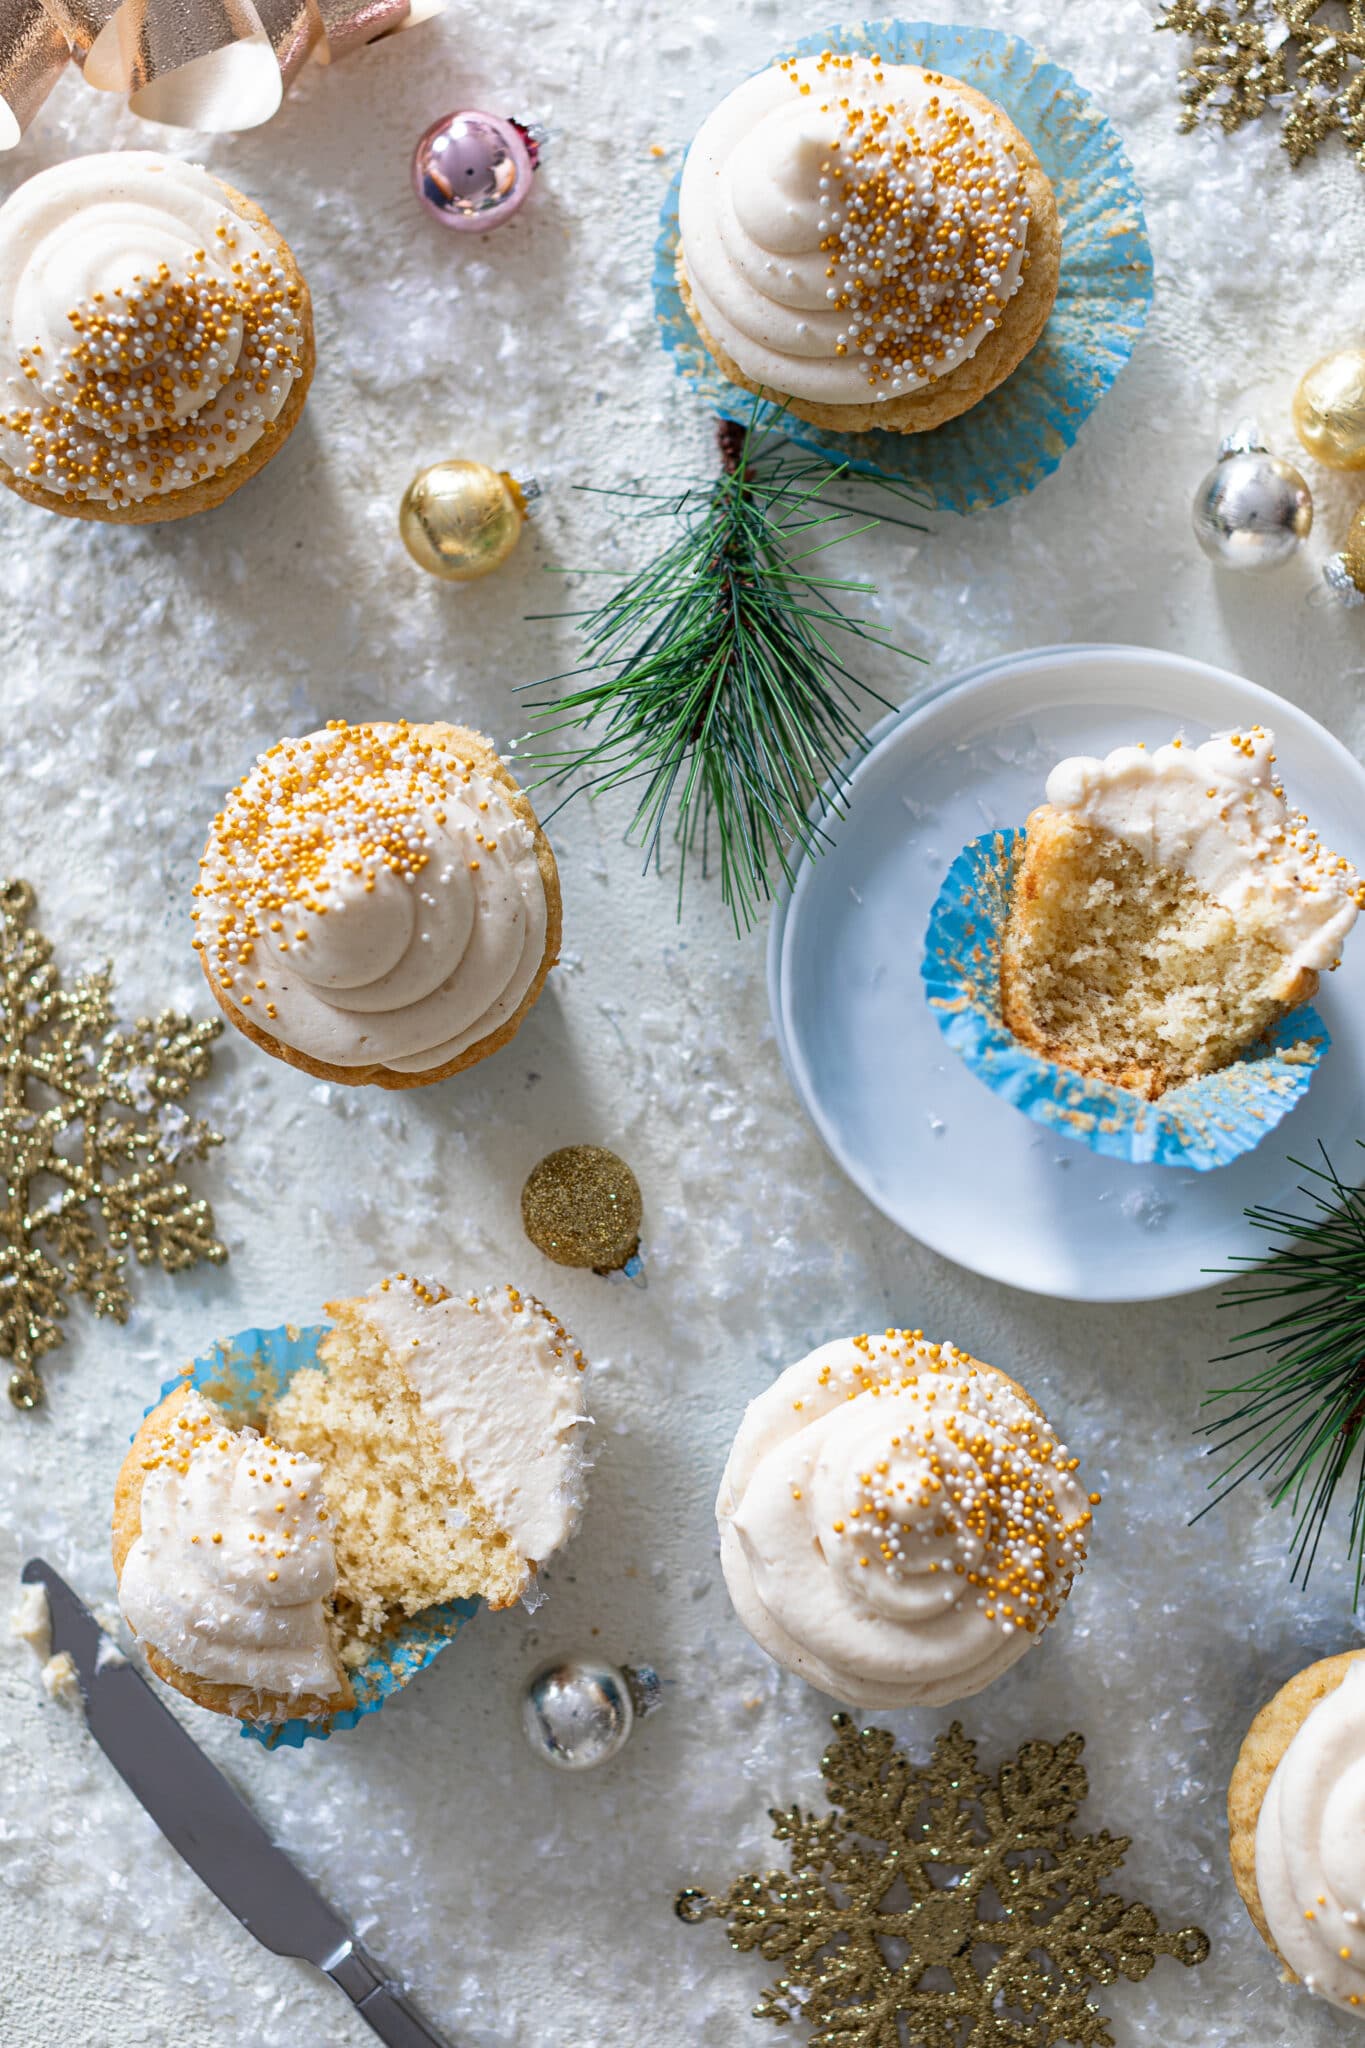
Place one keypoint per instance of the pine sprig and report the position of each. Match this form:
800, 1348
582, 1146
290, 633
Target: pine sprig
718, 673
1299, 1423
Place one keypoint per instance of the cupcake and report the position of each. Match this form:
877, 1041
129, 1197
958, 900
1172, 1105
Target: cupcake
156, 339
1168, 911
377, 903
898, 1523
432, 1455
1296, 1825
874, 245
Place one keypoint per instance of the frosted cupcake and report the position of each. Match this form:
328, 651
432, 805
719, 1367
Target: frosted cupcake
434, 1454
873, 244
1296, 1823
378, 903
1168, 911
156, 339
898, 1523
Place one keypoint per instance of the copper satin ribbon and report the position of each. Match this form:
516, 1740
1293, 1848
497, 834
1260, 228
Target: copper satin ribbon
209, 64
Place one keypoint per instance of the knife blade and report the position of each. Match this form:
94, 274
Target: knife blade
204, 1820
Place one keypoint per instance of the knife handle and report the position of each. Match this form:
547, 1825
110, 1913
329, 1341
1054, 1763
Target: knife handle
379, 2001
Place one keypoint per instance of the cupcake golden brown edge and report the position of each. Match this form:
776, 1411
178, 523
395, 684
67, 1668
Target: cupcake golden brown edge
1263, 1749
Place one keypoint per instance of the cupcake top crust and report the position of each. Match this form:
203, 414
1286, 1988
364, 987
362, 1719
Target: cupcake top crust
234, 1563
370, 895
1310, 1847
852, 230
898, 1523
1218, 813
149, 335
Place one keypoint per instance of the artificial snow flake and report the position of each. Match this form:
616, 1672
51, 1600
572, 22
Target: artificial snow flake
90, 1125
942, 1908
1247, 54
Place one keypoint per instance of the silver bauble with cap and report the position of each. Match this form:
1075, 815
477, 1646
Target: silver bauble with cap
1252, 511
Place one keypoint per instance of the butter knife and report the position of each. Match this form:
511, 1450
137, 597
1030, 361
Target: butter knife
219, 1837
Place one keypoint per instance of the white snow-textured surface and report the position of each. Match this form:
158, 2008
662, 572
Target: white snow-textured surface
142, 669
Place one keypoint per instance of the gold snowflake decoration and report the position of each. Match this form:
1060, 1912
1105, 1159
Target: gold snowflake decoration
1308, 54
942, 1908
90, 1125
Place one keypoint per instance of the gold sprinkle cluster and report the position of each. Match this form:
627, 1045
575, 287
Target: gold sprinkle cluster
197, 1428
352, 800
922, 216
165, 381
968, 1465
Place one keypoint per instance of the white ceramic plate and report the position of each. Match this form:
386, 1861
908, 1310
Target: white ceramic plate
917, 1132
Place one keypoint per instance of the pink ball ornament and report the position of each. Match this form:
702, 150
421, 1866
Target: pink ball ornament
472, 171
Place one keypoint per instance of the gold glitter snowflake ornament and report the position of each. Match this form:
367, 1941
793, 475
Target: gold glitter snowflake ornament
940, 1908
1250, 54
90, 1121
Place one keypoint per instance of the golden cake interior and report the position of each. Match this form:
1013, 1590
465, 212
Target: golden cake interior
1128, 971
408, 1529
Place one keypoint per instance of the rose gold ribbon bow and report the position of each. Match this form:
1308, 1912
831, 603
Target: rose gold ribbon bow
207, 64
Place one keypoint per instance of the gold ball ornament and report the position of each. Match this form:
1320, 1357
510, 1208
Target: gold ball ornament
461, 520
1329, 409
582, 1207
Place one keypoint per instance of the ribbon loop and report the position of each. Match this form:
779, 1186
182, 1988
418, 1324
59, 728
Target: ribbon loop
213, 65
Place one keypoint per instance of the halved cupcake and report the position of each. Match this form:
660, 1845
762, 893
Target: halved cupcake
273, 1563
1168, 911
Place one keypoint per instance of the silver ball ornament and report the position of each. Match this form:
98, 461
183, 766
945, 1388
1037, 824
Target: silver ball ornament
578, 1712
1252, 511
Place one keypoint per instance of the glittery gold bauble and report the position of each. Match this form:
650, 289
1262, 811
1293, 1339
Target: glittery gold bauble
1329, 409
461, 520
1353, 554
581, 1206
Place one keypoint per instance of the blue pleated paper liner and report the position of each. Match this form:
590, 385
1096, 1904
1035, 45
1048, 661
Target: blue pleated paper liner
242, 1374
1019, 432
1202, 1124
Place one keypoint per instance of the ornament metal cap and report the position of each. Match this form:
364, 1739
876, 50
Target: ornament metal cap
1245, 439
1336, 574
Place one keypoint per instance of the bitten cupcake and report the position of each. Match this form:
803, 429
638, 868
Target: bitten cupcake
1169, 909
378, 903
433, 1454
156, 339
1296, 1822
898, 1522
874, 244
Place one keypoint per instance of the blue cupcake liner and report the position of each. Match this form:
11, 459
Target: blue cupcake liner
240, 1375
1202, 1124
1019, 432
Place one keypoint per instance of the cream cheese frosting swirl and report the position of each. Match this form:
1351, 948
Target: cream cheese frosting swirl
1310, 1847
502, 1380
229, 1575
371, 897
1218, 813
851, 230
149, 335
898, 1523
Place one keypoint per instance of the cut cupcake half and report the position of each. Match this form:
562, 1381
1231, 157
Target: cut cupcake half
450, 1428
1168, 911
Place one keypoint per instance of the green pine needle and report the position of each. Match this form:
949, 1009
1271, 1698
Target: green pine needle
1299, 1423
717, 670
